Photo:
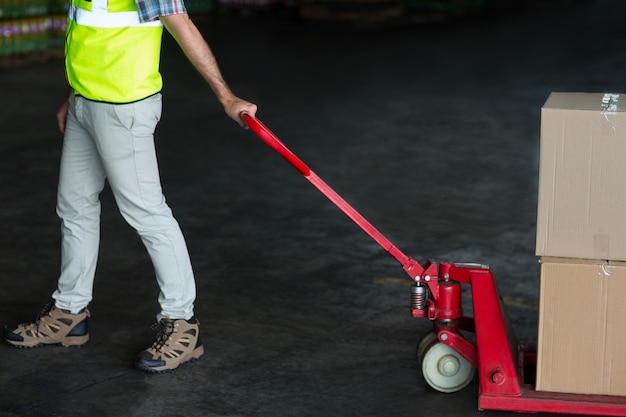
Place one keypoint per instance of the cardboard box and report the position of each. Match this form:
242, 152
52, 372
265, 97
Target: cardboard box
581, 346
582, 177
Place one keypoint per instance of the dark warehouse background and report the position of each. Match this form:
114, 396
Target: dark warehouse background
424, 115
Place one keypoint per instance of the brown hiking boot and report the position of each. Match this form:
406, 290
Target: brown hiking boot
52, 326
177, 342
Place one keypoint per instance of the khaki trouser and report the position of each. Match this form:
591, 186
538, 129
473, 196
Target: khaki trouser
115, 143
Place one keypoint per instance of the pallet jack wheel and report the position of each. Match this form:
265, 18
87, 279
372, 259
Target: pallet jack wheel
445, 370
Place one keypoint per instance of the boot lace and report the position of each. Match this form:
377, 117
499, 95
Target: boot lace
44, 312
164, 328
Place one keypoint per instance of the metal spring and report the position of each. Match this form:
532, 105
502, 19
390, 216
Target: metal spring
418, 297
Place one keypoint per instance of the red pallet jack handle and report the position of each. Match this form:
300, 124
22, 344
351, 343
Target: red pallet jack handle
410, 266
499, 357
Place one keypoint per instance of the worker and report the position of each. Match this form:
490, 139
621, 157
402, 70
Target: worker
108, 119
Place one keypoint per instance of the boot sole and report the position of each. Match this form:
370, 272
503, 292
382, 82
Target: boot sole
192, 357
67, 342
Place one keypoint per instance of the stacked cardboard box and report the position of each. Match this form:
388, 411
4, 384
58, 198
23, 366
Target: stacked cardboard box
581, 241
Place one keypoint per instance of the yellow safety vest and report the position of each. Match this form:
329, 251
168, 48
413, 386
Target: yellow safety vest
109, 55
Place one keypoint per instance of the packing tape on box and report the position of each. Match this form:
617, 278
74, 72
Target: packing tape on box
609, 102
609, 107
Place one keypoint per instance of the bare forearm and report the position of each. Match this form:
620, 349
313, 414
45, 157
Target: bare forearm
200, 55
198, 52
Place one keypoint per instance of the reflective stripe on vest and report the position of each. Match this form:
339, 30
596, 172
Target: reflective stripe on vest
107, 20
110, 55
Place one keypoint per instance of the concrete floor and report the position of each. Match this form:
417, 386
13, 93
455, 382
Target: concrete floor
429, 130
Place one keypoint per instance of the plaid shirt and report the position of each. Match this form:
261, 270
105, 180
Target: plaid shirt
150, 10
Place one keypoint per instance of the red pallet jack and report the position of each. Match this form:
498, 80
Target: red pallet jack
449, 361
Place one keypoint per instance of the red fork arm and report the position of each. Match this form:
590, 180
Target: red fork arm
410, 266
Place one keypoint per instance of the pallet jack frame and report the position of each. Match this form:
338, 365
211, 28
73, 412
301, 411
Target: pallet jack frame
506, 367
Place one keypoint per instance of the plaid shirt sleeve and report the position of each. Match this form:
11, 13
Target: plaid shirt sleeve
150, 10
